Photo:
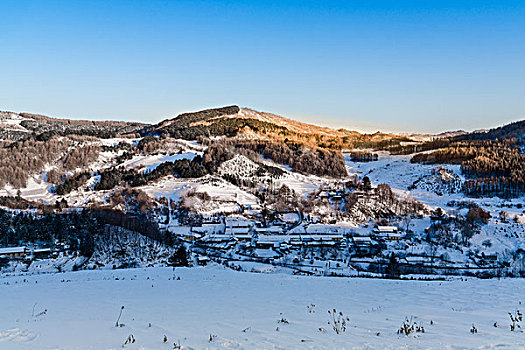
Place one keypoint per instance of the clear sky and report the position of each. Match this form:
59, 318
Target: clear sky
424, 66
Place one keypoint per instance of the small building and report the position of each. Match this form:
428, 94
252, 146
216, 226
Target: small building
486, 259
323, 229
61, 246
385, 229
42, 253
13, 252
269, 242
218, 238
289, 218
490, 257
238, 223
272, 230
391, 236
266, 253
207, 228
389, 233
202, 260
241, 230
362, 245
237, 226
419, 259
322, 239
211, 220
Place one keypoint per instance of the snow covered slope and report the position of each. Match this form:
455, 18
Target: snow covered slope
213, 308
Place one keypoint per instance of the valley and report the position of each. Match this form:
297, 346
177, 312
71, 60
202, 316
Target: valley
240, 201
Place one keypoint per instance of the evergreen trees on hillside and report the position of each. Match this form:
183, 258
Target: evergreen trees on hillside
300, 157
76, 229
110, 178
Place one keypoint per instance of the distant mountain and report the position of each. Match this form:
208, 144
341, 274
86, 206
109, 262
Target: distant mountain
216, 116
442, 135
516, 129
20, 126
233, 121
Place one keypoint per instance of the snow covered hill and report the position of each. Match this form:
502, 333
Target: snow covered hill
188, 176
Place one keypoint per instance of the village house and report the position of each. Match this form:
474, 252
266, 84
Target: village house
41, 253
237, 226
270, 242
332, 194
321, 240
362, 245
272, 230
211, 220
289, 218
202, 260
389, 233
13, 252
323, 229
486, 259
208, 228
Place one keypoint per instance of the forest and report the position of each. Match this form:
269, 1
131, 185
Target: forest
492, 167
21, 159
76, 229
509, 131
301, 158
44, 128
110, 178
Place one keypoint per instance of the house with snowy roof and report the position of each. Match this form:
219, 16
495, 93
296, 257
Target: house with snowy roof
13, 252
387, 233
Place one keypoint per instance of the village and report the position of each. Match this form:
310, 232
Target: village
308, 247
300, 244
256, 239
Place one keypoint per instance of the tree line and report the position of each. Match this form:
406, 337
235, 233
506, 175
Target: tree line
301, 158
110, 178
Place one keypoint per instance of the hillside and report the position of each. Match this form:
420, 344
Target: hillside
22, 126
233, 121
239, 187
512, 130
208, 116
493, 161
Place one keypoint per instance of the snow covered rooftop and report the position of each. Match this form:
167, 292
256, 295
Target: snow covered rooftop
271, 229
42, 250
362, 240
12, 250
386, 228
322, 229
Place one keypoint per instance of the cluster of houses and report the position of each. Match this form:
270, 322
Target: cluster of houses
285, 234
31, 252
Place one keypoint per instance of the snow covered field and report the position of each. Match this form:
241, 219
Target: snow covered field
238, 310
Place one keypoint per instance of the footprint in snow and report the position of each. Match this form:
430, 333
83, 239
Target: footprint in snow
17, 334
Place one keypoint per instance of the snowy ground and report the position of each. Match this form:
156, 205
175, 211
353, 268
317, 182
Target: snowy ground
150, 162
399, 173
241, 311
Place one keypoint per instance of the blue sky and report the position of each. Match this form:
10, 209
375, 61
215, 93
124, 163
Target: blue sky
424, 66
